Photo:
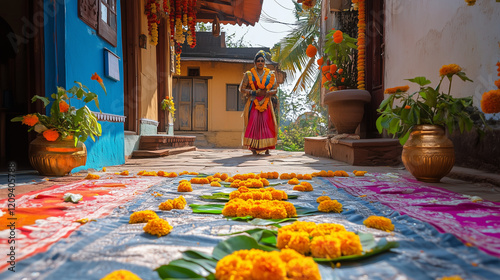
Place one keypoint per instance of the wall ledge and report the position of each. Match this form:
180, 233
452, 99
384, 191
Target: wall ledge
109, 117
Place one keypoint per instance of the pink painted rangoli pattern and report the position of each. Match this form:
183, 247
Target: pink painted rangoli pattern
474, 221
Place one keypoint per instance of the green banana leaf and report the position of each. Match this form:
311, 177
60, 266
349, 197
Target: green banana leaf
225, 196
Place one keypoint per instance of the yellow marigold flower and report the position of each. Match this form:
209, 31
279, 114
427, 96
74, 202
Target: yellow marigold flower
350, 243
229, 180
210, 178
359, 173
285, 176
453, 277
307, 186
30, 119
300, 188
379, 222
326, 229
158, 227
179, 202
268, 266
91, 176
264, 182
82, 221
224, 176
327, 246
104, 169
307, 176
246, 195
166, 205
193, 173
296, 240
278, 194
330, 206
276, 175
142, 216
287, 255
323, 173
394, 90
229, 210
257, 184
330, 173
261, 211
257, 195
322, 198
244, 209
290, 209
341, 173
172, 175
304, 268
293, 175
215, 184
183, 173
234, 194
185, 187
449, 69
490, 102
267, 196
233, 267
300, 176
217, 175
121, 275
278, 212
162, 173
51, 135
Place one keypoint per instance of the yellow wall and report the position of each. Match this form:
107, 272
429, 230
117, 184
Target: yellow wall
148, 100
225, 128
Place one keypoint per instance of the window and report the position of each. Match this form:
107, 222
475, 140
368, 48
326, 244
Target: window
233, 100
193, 72
100, 15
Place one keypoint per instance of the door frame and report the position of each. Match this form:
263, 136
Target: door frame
176, 96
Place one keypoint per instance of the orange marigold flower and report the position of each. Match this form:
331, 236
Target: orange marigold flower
333, 68
449, 69
407, 107
96, 77
51, 135
490, 102
397, 89
341, 71
121, 274
330, 206
497, 83
338, 39
338, 33
325, 68
311, 51
379, 222
320, 61
63, 106
342, 80
30, 119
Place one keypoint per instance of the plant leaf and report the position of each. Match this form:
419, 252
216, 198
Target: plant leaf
380, 247
267, 222
421, 81
236, 243
207, 208
176, 272
194, 267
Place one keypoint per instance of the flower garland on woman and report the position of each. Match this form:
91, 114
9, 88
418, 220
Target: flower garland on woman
259, 87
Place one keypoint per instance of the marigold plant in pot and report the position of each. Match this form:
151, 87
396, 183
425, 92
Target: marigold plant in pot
419, 120
59, 146
338, 71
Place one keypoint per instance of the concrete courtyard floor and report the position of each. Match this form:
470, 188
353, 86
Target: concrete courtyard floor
461, 180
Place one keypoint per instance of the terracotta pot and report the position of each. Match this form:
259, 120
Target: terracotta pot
428, 154
346, 108
56, 158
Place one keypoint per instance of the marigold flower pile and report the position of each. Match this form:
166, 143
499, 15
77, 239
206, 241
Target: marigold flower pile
453, 277
490, 101
142, 216
121, 275
91, 176
286, 176
320, 240
184, 186
303, 187
330, 173
322, 198
147, 173
250, 183
330, 206
177, 203
379, 222
188, 173
260, 194
264, 209
215, 184
260, 265
359, 173
158, 227
167, 174
123, 173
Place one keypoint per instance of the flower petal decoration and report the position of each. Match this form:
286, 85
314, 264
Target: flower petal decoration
311, 51
51, 135
30, 119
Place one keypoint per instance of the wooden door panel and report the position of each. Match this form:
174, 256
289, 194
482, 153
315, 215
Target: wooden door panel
175, 95
200, 102
185, 103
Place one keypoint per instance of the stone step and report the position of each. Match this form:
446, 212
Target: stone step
201, 139
160, 142
161, 153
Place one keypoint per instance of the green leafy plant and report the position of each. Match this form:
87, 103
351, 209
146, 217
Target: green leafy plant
428, 105
66, 121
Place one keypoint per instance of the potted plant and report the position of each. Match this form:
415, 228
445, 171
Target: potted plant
338, 70
59, 146
419, 120
167, 104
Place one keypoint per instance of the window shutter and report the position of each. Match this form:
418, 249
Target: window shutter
231, 98
107, 21
87, 12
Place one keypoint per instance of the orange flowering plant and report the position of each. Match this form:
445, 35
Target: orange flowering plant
338, 65
428, 106
65, 120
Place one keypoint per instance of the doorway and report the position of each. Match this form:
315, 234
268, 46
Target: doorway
191, 96
21, 76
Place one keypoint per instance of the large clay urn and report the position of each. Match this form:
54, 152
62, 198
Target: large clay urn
56, 158
428, 154
346, 108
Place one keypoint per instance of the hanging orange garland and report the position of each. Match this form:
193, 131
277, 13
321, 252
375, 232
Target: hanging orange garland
151, 10
361, 42
262, 107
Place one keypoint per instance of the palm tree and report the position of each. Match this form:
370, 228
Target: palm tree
290, 52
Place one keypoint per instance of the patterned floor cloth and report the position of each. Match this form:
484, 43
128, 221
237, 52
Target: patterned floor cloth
42, 217
110, 243
471, 219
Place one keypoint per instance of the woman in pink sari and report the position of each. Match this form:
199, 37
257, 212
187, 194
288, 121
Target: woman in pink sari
258, 86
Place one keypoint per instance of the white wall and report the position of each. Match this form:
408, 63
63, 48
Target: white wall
423, 35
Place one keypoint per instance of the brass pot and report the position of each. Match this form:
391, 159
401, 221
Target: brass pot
428, 154
56, 158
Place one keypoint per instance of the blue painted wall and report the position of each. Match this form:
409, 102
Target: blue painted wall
73, 52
